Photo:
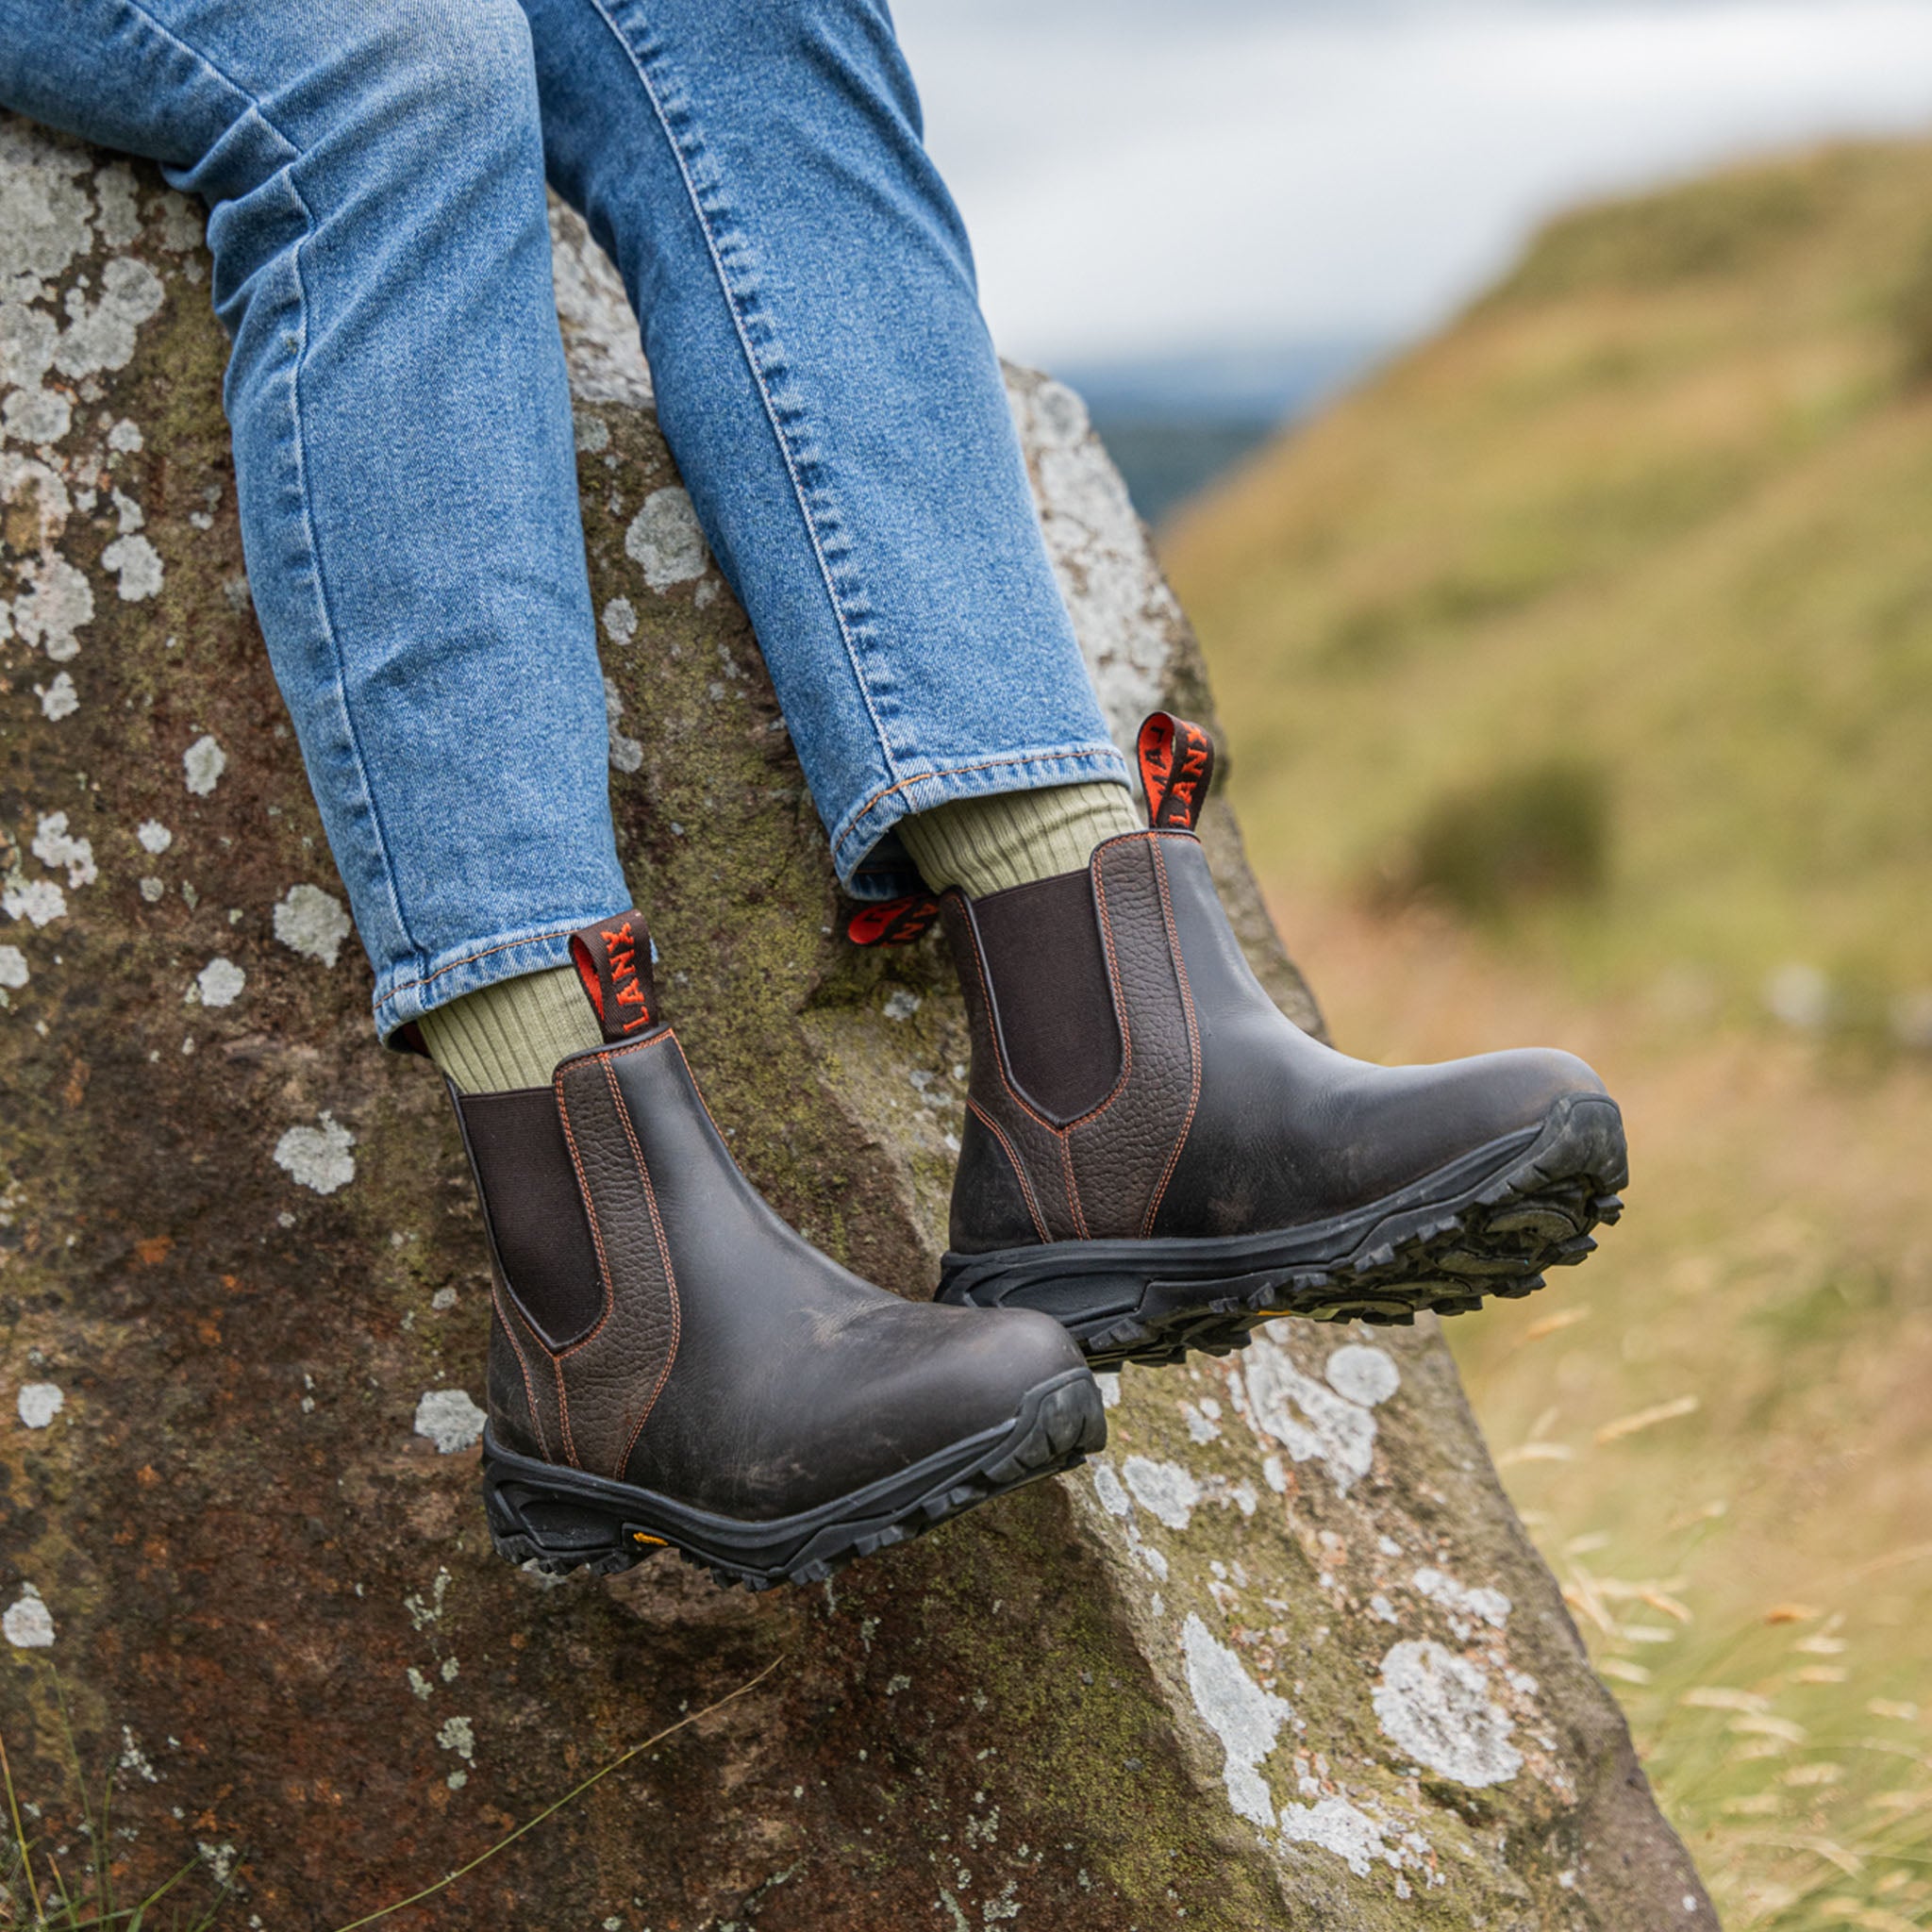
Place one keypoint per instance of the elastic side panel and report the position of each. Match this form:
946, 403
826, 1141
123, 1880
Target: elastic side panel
536, 1212
1052, 997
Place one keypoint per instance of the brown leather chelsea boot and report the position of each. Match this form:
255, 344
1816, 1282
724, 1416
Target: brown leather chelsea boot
1154, 1155
672, 1365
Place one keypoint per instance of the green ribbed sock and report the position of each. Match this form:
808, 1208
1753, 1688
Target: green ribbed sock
511, 1034
987, 845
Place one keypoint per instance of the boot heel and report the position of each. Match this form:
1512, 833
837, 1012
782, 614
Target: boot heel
532, 1521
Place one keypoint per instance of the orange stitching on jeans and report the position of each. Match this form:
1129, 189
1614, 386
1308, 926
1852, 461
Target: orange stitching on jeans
1032, 757
536, 938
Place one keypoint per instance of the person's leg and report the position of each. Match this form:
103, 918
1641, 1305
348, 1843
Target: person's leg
1152, 1150
402, 446
669, 1363
826, 382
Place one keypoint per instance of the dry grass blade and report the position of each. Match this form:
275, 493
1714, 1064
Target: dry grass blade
27, 1863
1646, 1418
550, 1810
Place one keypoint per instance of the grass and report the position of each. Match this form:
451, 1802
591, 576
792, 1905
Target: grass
1654, 513
44, 1902
1716, 1430
38, 1894
1578, 679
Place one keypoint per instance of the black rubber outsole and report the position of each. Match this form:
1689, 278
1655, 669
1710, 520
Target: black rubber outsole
565, 1519
1489, 1223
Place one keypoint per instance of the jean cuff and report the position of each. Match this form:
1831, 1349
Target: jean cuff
407, 991
869, 860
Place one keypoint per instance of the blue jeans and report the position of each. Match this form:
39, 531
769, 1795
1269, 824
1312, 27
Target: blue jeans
402, 424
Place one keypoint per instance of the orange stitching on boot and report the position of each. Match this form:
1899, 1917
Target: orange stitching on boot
1120, 1007
1180, 974
570, 1447
993, 1127
993, 1031
663, 1254
1072, 1185
523, 1368
590, 1213
604, 1060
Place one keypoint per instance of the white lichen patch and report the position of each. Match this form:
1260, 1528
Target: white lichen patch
1202, 1419
1489, 1606
59, 603
1106, 1487
36, 415
220, 983
137, 567
1311, 1420
620, 617
38, 1403
626, 754
57, 700
1244, 1717
135, 1759
29, 1623
901, 1004
101, 335
1437, 1708
46, 218
312, 923
154, 837
665, 541
458, 1734
318, 1158
203, 764
450, 1420
1365, 1375
40, 902
56, 847
13, 973
1350, 1833
1165, 1489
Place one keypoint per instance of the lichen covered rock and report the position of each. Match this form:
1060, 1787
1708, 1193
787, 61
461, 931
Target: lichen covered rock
1281, 1657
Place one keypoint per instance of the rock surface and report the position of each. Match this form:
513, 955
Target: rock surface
1283, 1657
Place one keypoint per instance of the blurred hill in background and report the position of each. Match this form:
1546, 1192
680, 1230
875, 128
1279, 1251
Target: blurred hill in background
1609, 610
1587, 650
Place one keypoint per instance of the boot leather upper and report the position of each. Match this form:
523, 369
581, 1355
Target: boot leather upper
1204, 1110
720, 1359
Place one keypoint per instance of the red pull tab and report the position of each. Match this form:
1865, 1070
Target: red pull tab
613, 959
1177, 763
893, 922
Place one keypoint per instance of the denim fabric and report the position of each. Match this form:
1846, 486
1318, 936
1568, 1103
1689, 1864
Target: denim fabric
403, 440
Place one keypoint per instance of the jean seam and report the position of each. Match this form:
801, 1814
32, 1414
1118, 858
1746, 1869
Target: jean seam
1100, 753
735, 306
531, 938
294, 152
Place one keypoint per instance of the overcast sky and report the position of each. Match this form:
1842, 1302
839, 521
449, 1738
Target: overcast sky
1143, 176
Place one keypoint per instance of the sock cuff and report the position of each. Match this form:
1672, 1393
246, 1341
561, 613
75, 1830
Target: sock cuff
1013, 838
512, 1034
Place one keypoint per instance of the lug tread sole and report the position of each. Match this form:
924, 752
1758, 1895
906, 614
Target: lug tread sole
1443, 1245
1057, 1425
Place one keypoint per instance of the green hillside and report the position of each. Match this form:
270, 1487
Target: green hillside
1608, 612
